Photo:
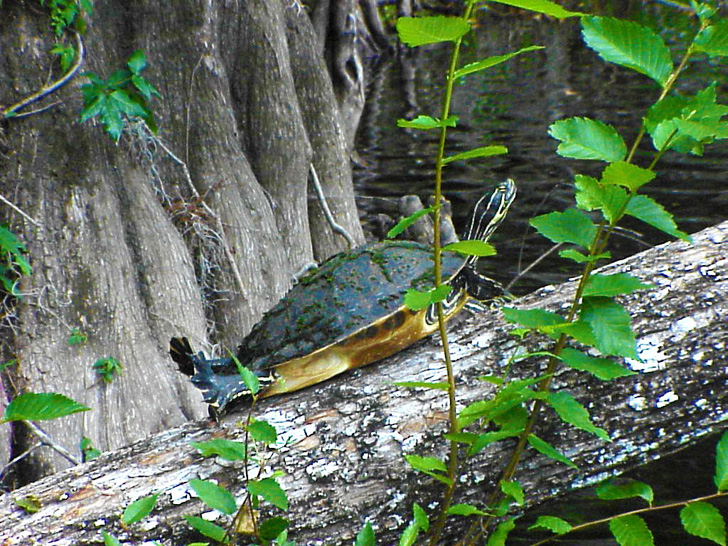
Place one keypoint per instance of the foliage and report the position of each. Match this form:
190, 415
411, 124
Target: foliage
124, 95
77, 337
108, 368
40, 407
13, 264
88, 451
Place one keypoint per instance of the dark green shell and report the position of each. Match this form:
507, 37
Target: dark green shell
346, 293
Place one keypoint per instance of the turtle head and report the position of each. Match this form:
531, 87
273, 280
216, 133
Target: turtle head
490, 210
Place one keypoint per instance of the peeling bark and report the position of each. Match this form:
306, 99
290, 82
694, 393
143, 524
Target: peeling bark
344, 439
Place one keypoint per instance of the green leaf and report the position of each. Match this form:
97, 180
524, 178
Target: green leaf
30, 503
250, 380
532, 318
544, 448
137, 62
126, 104
207, 528
631, 530
578, 257
417, 31
425, 123
704, 520
422, 385
611, 326
404, 223
417, 300
514, 490
271, 491
262, 431
214, 496
144, 87
572, 412
602, 368
40, 407
721, 463
501, 532
77, 337
611, 490
365, 537
570, 226
272, 527
542, 6
94, 108
630, 45
584, 138
111, 119
613, 285
465, 510
593, 195
625, 174
473, 247
556, 525
649, 211
225, 449
110, 540
420, 517
431, 466
409, 535
580, 330
139, 509
713, 40
485, 151
487, 63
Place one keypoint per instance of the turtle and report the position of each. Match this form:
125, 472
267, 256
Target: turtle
347, 313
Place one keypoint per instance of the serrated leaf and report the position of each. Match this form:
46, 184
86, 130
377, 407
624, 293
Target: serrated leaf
613, 285
214, 496
137, 62
611, 490
485, 151
465, 510
250, 380
514, 490
425, 123
207, 528
404, 223
649, 211
611, 326
542, 6
474, 247
584, 138
713, 40
272, 527
544, 448
721, 463
126, 104
365, 537
625, 174
556, 525
417, 300
593, 195
572, 412
417, 31
139, 509
40, 407
271, 491
442, 386
487, 63
426, 464
570, 226
602, 368
94, 108
631, 530
144, 87
630, 45
532, 318
225, 449
262, 431
501, 532
110, 540
704, 520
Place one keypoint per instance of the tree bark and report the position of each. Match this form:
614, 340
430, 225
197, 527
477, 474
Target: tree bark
195, 231
341, 443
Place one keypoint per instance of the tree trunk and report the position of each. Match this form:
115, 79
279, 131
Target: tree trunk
341, 443
195, 231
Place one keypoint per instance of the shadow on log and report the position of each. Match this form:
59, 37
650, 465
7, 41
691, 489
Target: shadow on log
344, 440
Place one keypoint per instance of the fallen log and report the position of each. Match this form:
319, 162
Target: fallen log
342, 443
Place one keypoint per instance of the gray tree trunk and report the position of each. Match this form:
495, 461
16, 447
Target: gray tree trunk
342, 442
196, 231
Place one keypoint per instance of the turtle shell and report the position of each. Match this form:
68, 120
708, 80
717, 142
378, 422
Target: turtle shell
342, 299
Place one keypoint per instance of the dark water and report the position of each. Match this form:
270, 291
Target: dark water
513, 104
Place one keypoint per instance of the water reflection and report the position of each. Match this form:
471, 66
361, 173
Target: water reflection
513, 104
